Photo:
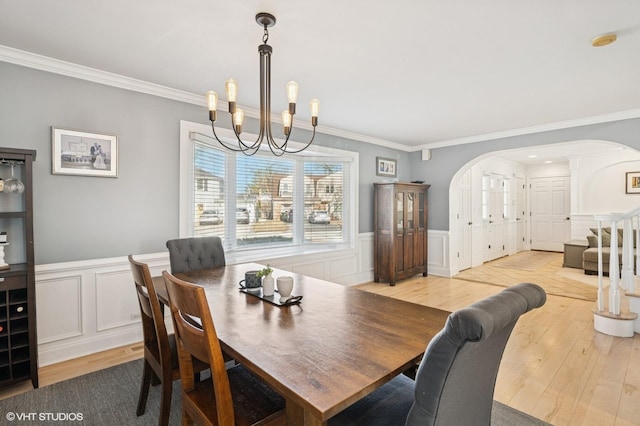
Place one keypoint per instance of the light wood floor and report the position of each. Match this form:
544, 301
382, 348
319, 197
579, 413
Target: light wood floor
555, 367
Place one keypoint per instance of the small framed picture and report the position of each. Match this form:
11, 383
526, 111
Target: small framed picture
633, 183
385, 167
81, 153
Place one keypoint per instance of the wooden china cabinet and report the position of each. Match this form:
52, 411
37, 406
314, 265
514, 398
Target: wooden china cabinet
400, 231
18, 343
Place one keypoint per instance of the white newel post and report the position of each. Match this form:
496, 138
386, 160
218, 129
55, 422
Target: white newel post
614, 271
600, 279
627, 253
622, 274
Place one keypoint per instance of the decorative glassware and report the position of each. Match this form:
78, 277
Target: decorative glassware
13, 185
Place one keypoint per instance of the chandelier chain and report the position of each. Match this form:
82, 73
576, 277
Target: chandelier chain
265, 36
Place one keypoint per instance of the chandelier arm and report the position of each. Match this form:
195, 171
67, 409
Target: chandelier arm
245, 145
276, 152
306, 146
242, 146
281, 147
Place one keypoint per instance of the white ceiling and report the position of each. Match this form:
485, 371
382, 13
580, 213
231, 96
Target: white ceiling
411, 72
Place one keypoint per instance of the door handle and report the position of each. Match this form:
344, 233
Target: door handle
568, 218
470, 223
490, 221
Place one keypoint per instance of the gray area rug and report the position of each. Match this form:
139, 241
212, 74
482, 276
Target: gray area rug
110, 397
106, 397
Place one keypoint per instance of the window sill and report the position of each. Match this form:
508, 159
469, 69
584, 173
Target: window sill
258, 255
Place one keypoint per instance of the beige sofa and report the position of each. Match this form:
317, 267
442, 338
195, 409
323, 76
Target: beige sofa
590, 255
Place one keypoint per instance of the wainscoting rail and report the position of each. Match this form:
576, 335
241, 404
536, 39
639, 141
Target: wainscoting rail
84, 307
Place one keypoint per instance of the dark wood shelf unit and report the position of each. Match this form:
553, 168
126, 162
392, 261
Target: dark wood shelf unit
18, 339
400, 231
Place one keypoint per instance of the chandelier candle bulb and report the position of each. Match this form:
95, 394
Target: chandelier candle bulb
292, 92
232, 93
292, 96
232, 90
238, 117
314, 104
212, 104
286, 121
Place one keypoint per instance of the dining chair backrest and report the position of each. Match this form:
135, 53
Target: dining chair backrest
159, 348
194, 254
153, 326
456, 379
196, 337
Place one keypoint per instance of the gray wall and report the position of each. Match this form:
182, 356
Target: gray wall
446, 161
79, 218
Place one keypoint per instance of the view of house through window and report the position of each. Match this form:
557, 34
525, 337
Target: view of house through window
262, 200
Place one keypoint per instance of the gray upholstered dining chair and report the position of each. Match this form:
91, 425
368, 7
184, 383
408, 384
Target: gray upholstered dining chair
455, 381
194, 254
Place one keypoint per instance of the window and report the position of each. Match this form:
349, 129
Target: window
259, 201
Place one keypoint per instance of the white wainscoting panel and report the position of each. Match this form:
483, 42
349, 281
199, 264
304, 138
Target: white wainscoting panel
580, 224
312, 269
62, 320
116, 300
343, 267
85, 307
366, 250
90, 306
438, 256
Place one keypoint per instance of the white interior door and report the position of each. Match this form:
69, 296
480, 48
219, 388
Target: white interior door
493, 216
464, 221
521, 218
550, 212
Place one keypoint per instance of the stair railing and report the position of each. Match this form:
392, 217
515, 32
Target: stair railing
630, 222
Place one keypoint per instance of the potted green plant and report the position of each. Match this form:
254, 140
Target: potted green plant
266, 271
268, 286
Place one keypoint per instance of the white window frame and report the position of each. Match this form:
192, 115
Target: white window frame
297, 247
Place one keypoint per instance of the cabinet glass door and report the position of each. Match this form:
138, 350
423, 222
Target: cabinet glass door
399, 211
410, 219
421, 210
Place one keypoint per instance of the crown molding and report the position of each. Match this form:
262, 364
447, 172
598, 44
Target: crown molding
56, 66
69, 69
585, 121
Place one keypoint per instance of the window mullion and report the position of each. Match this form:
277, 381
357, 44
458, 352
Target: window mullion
230, 198
298, 197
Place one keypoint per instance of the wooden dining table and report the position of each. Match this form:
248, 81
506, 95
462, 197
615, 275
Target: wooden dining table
322, 354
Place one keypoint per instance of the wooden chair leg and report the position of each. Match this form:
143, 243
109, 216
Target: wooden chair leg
186, 420
155, 380
165, 402
144, 388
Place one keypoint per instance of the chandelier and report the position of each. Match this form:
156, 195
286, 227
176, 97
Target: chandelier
265, 20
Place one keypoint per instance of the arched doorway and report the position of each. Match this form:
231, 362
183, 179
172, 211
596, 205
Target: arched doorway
473, 205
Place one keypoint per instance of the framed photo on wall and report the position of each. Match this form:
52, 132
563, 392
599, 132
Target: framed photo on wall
632, 183
386, 167
81, 153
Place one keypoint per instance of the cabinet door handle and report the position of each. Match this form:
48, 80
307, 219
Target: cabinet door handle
19, 309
